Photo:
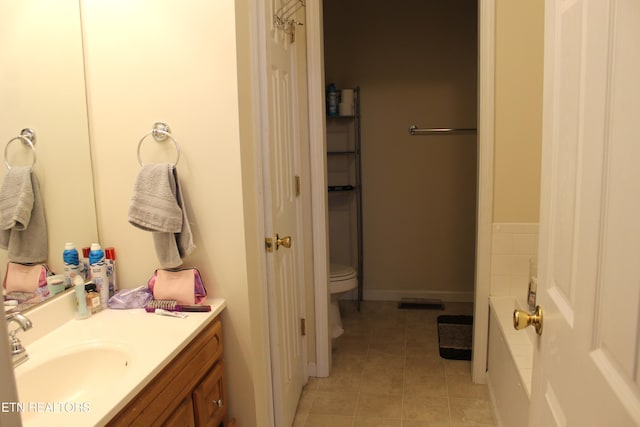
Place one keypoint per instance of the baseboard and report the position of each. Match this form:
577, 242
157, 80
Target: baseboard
311, 369
398, 294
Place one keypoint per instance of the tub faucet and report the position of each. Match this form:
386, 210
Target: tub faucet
18, 352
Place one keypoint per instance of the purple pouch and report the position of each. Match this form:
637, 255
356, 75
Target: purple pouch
184, 286
131, 298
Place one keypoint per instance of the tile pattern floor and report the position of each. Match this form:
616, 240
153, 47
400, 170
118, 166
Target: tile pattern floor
387, 372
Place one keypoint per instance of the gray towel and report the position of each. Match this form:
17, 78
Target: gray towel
157, 205
23, 226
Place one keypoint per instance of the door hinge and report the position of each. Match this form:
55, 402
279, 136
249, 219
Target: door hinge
297, 185
303, 327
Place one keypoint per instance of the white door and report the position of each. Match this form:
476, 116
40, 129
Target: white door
283, 220
587, 360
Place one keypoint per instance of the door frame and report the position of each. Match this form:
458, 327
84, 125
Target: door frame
486, 112
264, 380
319, 197
317, 125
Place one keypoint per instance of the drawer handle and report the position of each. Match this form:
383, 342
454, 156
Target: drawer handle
218, 403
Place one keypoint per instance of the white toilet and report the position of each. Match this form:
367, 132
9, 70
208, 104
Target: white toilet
342, 278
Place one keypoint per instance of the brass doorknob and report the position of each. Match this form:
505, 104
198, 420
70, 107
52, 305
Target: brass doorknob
283, 241
522, 319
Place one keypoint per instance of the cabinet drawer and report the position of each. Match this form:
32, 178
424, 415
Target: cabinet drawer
183, 415
209, 398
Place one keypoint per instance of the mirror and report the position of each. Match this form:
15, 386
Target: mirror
42, 87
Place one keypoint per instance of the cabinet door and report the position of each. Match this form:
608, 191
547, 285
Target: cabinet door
183, 416
209, 398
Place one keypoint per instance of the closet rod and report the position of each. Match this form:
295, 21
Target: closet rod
416, 131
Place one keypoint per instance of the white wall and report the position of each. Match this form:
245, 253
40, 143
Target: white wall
512, 246
149, 61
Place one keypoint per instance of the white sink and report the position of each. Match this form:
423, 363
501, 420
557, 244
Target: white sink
83, 372
71, 375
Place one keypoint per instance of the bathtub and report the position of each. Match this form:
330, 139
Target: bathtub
510, 361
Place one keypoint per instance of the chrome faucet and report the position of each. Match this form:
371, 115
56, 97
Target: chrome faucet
18, 352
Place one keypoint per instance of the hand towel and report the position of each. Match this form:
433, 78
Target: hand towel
23, 226
157, 205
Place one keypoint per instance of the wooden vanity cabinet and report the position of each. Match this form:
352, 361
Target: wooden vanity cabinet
209, 399
183, 416
189, 391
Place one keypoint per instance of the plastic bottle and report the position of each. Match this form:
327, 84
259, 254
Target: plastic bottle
81, 312
332, 100
110, 255
84, 260
98, 267
72, 266
42, 291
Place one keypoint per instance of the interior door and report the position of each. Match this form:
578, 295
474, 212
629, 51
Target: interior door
586, 362
283, 222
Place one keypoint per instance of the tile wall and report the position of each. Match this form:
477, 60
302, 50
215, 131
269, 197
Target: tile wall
513, 245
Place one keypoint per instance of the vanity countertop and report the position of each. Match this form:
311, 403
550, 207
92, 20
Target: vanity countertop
142, 344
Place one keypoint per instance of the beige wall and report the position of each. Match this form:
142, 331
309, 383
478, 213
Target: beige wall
518, 110
415, 63
148, 61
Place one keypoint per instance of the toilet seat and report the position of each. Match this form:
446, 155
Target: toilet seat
342, 278
341, 272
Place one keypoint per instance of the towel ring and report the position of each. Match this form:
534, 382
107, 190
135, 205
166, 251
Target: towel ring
27, 137
160, 132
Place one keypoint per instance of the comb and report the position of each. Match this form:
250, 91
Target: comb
172, 305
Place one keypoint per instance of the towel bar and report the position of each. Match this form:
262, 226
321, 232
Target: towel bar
160, 132
415, 131
27, 137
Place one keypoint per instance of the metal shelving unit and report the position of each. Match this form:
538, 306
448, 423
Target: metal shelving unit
344, 150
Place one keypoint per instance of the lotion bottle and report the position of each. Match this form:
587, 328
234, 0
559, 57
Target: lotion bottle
81, 311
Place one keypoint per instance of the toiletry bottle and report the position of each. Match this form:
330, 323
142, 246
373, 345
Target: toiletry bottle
93, 298
533, 284
42, 291
72, 266
533, 290
332, 100
84, 260
56, 284
81, 300
98, 267
110, 255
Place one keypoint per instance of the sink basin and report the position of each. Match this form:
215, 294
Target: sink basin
84, 372
71, 374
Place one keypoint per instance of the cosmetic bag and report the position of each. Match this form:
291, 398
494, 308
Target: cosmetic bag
30, 278
184, 285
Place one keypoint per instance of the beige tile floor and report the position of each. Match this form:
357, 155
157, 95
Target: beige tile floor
387, 373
